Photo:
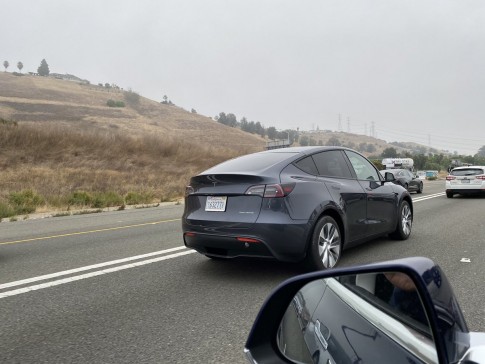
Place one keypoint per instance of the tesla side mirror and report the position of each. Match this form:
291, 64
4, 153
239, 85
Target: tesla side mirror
389, 177
402, 311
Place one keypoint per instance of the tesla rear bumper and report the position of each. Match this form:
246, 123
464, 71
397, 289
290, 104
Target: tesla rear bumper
285, 243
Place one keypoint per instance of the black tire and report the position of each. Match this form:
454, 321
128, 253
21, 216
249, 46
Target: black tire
420, 189
449, 194
326, 245
404, 222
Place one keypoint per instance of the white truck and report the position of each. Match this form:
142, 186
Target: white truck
404, 163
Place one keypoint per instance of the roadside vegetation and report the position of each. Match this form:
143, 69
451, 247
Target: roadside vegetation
70, 146
49, 168
426, 160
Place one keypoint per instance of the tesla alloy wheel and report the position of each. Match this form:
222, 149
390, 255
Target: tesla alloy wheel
326, 245
405, 222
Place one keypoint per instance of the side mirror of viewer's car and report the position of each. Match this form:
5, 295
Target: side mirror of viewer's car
403, 311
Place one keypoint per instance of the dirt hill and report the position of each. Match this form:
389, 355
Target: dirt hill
61, 145
35, 100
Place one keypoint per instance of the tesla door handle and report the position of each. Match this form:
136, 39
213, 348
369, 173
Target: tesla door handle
319, 335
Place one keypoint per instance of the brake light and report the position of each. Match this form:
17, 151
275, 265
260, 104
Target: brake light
271, 191
481, 177
450, 178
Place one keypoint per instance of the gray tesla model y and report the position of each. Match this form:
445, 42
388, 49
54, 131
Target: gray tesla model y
293, 204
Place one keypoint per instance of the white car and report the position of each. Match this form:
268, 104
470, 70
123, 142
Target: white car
465, 180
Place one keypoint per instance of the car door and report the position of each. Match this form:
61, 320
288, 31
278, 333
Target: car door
340, 333
381, 199
413, 181
345, 190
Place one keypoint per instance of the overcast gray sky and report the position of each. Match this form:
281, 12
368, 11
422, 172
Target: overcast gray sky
415, 68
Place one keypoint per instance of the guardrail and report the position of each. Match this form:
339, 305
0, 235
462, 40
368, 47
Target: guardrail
275, 144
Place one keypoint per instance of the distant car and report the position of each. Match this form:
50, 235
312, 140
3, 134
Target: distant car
293, 204
465, 180
405, 178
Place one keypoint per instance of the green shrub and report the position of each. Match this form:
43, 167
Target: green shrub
8, 122
114, 199
113, 103
431, 178
25, 202
80, 198
136, 198
378, 164
6, 210
107, 199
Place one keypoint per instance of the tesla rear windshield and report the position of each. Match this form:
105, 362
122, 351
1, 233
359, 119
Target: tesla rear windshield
251, 162
467, 172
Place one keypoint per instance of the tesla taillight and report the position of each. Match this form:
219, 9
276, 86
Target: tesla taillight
256, 190
189, 190
271, 191
450, 178
278, 190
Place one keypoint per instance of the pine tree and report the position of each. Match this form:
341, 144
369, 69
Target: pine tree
43, 69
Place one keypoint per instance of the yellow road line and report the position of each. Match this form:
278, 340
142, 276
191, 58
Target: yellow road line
86, 232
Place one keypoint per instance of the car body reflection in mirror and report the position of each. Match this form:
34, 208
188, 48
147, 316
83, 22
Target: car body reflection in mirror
353, 313
403, 311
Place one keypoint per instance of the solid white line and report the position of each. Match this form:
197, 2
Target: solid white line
92, 274
89, 267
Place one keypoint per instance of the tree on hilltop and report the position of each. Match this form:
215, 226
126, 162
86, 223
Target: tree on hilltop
271, 132
6, 64
20, 65
334, 141
389, 153
481, 151
43, 69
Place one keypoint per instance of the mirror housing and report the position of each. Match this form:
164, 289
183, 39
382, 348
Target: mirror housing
447, 324
389, 177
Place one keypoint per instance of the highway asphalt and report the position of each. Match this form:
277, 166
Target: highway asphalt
120, 287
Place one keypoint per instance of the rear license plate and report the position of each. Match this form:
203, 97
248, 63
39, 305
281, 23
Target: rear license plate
465, 181
216, 203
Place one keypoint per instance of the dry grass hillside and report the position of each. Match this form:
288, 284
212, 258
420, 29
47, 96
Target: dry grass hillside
35, 100
62, 146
